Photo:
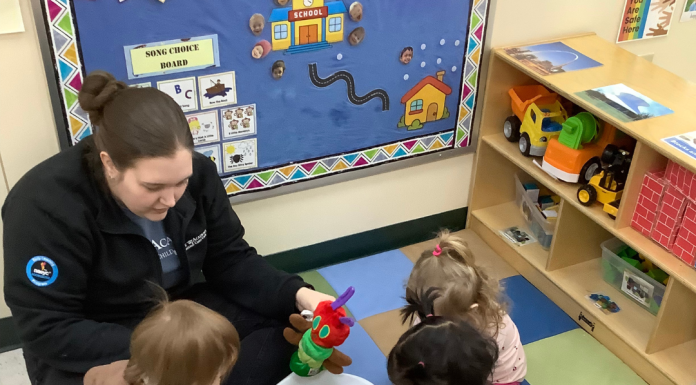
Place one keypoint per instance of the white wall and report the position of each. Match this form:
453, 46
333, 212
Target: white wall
307, 217
27, 132
4, 311
519, 22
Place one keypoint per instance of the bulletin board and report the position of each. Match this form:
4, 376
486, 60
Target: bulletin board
284, 91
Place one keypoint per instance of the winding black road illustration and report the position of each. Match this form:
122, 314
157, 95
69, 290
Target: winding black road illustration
348, 78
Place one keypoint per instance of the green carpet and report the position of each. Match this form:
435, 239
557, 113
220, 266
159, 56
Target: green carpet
575, 358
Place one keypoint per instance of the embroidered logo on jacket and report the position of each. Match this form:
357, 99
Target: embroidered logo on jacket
196, 240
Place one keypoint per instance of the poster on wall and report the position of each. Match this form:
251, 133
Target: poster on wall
645, 19
284, 93
10, 17
689, 13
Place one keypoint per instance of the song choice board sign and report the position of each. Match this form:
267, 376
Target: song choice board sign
152, 59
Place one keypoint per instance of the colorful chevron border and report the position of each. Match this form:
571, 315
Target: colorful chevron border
64, 49
477, 30
279, 176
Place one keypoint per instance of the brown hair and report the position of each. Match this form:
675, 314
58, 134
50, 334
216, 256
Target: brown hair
132, 123
466, 290
182, 343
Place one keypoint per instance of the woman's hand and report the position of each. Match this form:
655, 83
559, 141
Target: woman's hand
111, 374
308, 299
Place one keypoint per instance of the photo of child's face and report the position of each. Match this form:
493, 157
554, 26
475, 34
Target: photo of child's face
257, 52
256, 24
356, 37
356, 11
407, 56
282, 2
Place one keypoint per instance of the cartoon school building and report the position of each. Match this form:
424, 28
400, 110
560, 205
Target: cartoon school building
308, 25
426, 101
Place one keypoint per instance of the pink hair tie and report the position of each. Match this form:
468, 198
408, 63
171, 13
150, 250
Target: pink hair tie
421, 363
437, 251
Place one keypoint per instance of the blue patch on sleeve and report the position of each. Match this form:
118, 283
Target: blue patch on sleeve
42, 271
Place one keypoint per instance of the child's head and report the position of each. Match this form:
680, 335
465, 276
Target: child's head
466, 291
440, 351
406, 55
182, 343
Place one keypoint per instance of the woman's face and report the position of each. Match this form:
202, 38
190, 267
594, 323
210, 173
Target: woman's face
152, 185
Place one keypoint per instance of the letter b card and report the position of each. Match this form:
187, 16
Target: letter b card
183, 91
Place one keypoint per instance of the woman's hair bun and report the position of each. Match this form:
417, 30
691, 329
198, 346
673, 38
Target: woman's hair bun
98, 89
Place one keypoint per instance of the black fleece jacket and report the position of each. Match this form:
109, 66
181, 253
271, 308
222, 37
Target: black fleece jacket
101, 264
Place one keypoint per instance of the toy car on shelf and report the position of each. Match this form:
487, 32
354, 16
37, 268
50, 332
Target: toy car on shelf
575, 156
538, 115
604, 302
607, 186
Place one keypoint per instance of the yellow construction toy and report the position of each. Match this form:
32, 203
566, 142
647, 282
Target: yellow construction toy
607, 186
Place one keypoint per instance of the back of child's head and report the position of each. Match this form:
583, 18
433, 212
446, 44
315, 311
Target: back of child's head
440, 351
182, 343
466, 290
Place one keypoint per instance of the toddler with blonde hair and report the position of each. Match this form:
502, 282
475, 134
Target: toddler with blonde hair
468, 293
182, 343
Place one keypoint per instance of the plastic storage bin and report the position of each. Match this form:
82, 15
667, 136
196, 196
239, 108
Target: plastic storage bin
632, 282
541, 228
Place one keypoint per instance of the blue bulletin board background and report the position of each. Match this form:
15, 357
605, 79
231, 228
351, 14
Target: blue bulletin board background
302, 131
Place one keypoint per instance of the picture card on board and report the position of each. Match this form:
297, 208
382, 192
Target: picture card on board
218, 90
240, 155
213, 153
238, 121
204, 127
183, 91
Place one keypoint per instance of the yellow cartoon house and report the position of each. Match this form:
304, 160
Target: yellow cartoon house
308, 25
426, 102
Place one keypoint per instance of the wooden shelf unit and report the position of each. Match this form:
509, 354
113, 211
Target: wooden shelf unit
661, 348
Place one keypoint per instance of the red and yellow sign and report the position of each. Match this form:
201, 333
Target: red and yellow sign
309, 13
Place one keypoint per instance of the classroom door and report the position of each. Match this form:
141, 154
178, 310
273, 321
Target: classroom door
432, 112
309, 34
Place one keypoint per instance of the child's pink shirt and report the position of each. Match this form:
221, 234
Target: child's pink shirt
511, 366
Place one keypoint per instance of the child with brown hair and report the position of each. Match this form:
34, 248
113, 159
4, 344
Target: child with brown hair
469, 294
182, 343
439, 350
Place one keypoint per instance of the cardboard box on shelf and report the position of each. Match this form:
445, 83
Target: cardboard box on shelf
669, 217
649, 199
682, 179
685, 245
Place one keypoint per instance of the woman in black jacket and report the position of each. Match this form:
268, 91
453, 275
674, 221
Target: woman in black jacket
89, 230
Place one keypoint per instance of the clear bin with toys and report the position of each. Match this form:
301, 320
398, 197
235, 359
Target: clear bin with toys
539, 208
634, 276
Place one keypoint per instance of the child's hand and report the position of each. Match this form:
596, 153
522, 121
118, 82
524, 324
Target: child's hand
111, 374
308, 299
